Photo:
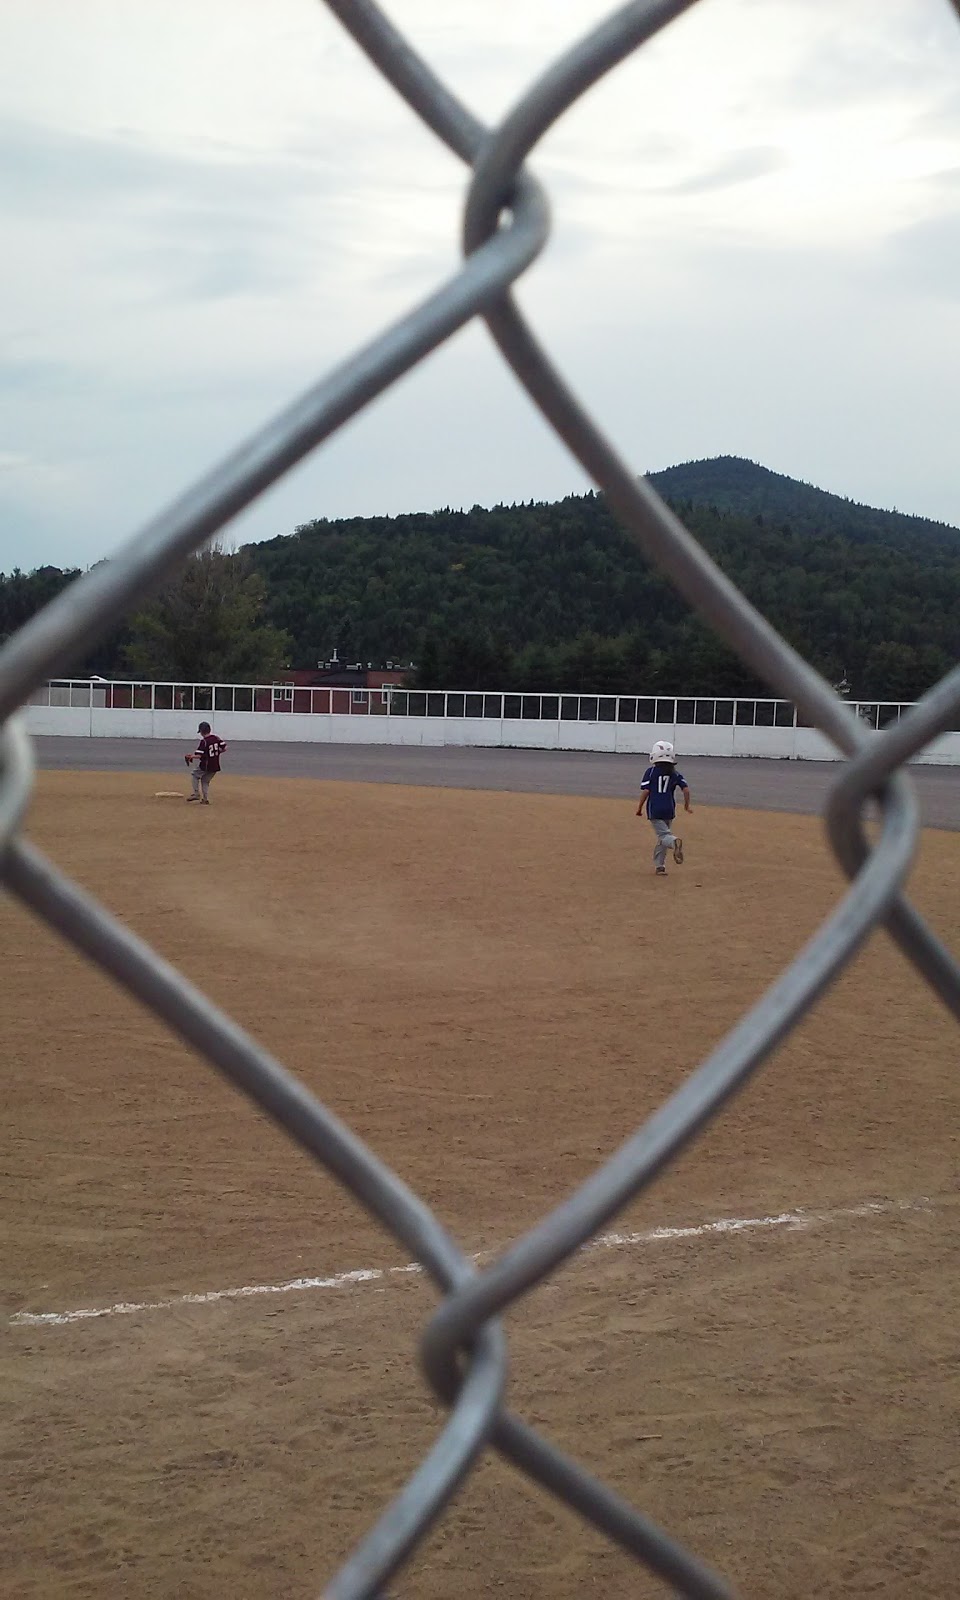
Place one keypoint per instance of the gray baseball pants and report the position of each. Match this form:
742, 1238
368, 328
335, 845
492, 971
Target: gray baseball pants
665, 840
201, 782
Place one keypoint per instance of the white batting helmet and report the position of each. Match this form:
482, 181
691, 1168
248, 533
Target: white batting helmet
662, 751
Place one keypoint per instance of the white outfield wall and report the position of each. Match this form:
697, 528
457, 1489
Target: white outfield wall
633, 738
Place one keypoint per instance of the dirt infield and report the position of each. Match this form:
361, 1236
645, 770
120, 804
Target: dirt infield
494, 990
758, 785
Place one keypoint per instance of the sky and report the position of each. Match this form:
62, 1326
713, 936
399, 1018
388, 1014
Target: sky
208, 203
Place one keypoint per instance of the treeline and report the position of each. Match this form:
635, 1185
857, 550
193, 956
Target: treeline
23, 593
556, 596
501, 598
589, 663
729, 483
207, 626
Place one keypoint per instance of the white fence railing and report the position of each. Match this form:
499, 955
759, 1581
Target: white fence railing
389, 714
388, 700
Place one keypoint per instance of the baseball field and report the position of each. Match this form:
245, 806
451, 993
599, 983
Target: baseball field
493, 990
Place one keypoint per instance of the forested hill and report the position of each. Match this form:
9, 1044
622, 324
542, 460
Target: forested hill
732, 484
556, 595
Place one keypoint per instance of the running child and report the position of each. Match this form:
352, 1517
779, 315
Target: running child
658, 788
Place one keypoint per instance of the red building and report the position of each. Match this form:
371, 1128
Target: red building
332, 686
336, 686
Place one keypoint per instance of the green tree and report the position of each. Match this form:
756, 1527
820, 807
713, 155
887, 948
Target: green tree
429, 673
536, 669
205, 626
472, 660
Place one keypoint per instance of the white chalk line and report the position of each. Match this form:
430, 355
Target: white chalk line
798, 1219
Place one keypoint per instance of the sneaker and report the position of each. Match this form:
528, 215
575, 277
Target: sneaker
661, 872
204, 802
192, 797
678, 851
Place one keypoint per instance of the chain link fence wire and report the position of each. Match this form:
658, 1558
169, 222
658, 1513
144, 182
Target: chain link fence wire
463, 1350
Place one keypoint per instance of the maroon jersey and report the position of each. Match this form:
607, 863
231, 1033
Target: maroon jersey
209, 751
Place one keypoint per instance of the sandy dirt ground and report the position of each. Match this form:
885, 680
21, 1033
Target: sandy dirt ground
494, 990
757, 785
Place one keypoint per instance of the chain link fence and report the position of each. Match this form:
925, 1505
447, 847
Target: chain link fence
463, 1350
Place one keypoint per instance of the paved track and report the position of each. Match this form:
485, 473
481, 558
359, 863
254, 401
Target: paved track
760, 785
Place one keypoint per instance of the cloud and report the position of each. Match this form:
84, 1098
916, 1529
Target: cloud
206, 207
19, 376
901, 55
34, 496
202, 226
45, 167
21, 469
927, 255
942, 117
742, 166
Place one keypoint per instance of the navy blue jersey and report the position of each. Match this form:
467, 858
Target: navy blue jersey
660, 784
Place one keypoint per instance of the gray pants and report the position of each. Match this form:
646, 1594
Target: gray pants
665, 840
201, 782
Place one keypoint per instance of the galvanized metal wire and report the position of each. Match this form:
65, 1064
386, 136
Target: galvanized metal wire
463, 1349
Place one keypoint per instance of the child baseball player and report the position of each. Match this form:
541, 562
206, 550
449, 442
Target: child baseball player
207, 756
658, 793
